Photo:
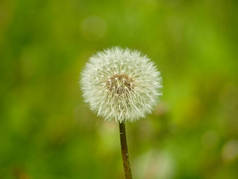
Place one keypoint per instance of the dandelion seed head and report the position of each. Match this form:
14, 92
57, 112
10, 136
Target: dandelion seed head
120, 84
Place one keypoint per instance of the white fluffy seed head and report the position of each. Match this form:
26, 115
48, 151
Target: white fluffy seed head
120, 84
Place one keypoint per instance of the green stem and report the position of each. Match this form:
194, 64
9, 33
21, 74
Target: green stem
124, 151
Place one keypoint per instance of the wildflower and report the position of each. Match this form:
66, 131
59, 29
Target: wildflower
121, 84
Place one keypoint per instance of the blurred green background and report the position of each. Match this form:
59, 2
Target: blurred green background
48, 132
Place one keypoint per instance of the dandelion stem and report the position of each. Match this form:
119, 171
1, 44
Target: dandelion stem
124, 151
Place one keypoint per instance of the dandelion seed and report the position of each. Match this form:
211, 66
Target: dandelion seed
121, 84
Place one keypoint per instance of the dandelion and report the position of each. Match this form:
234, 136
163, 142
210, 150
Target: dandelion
121, 85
